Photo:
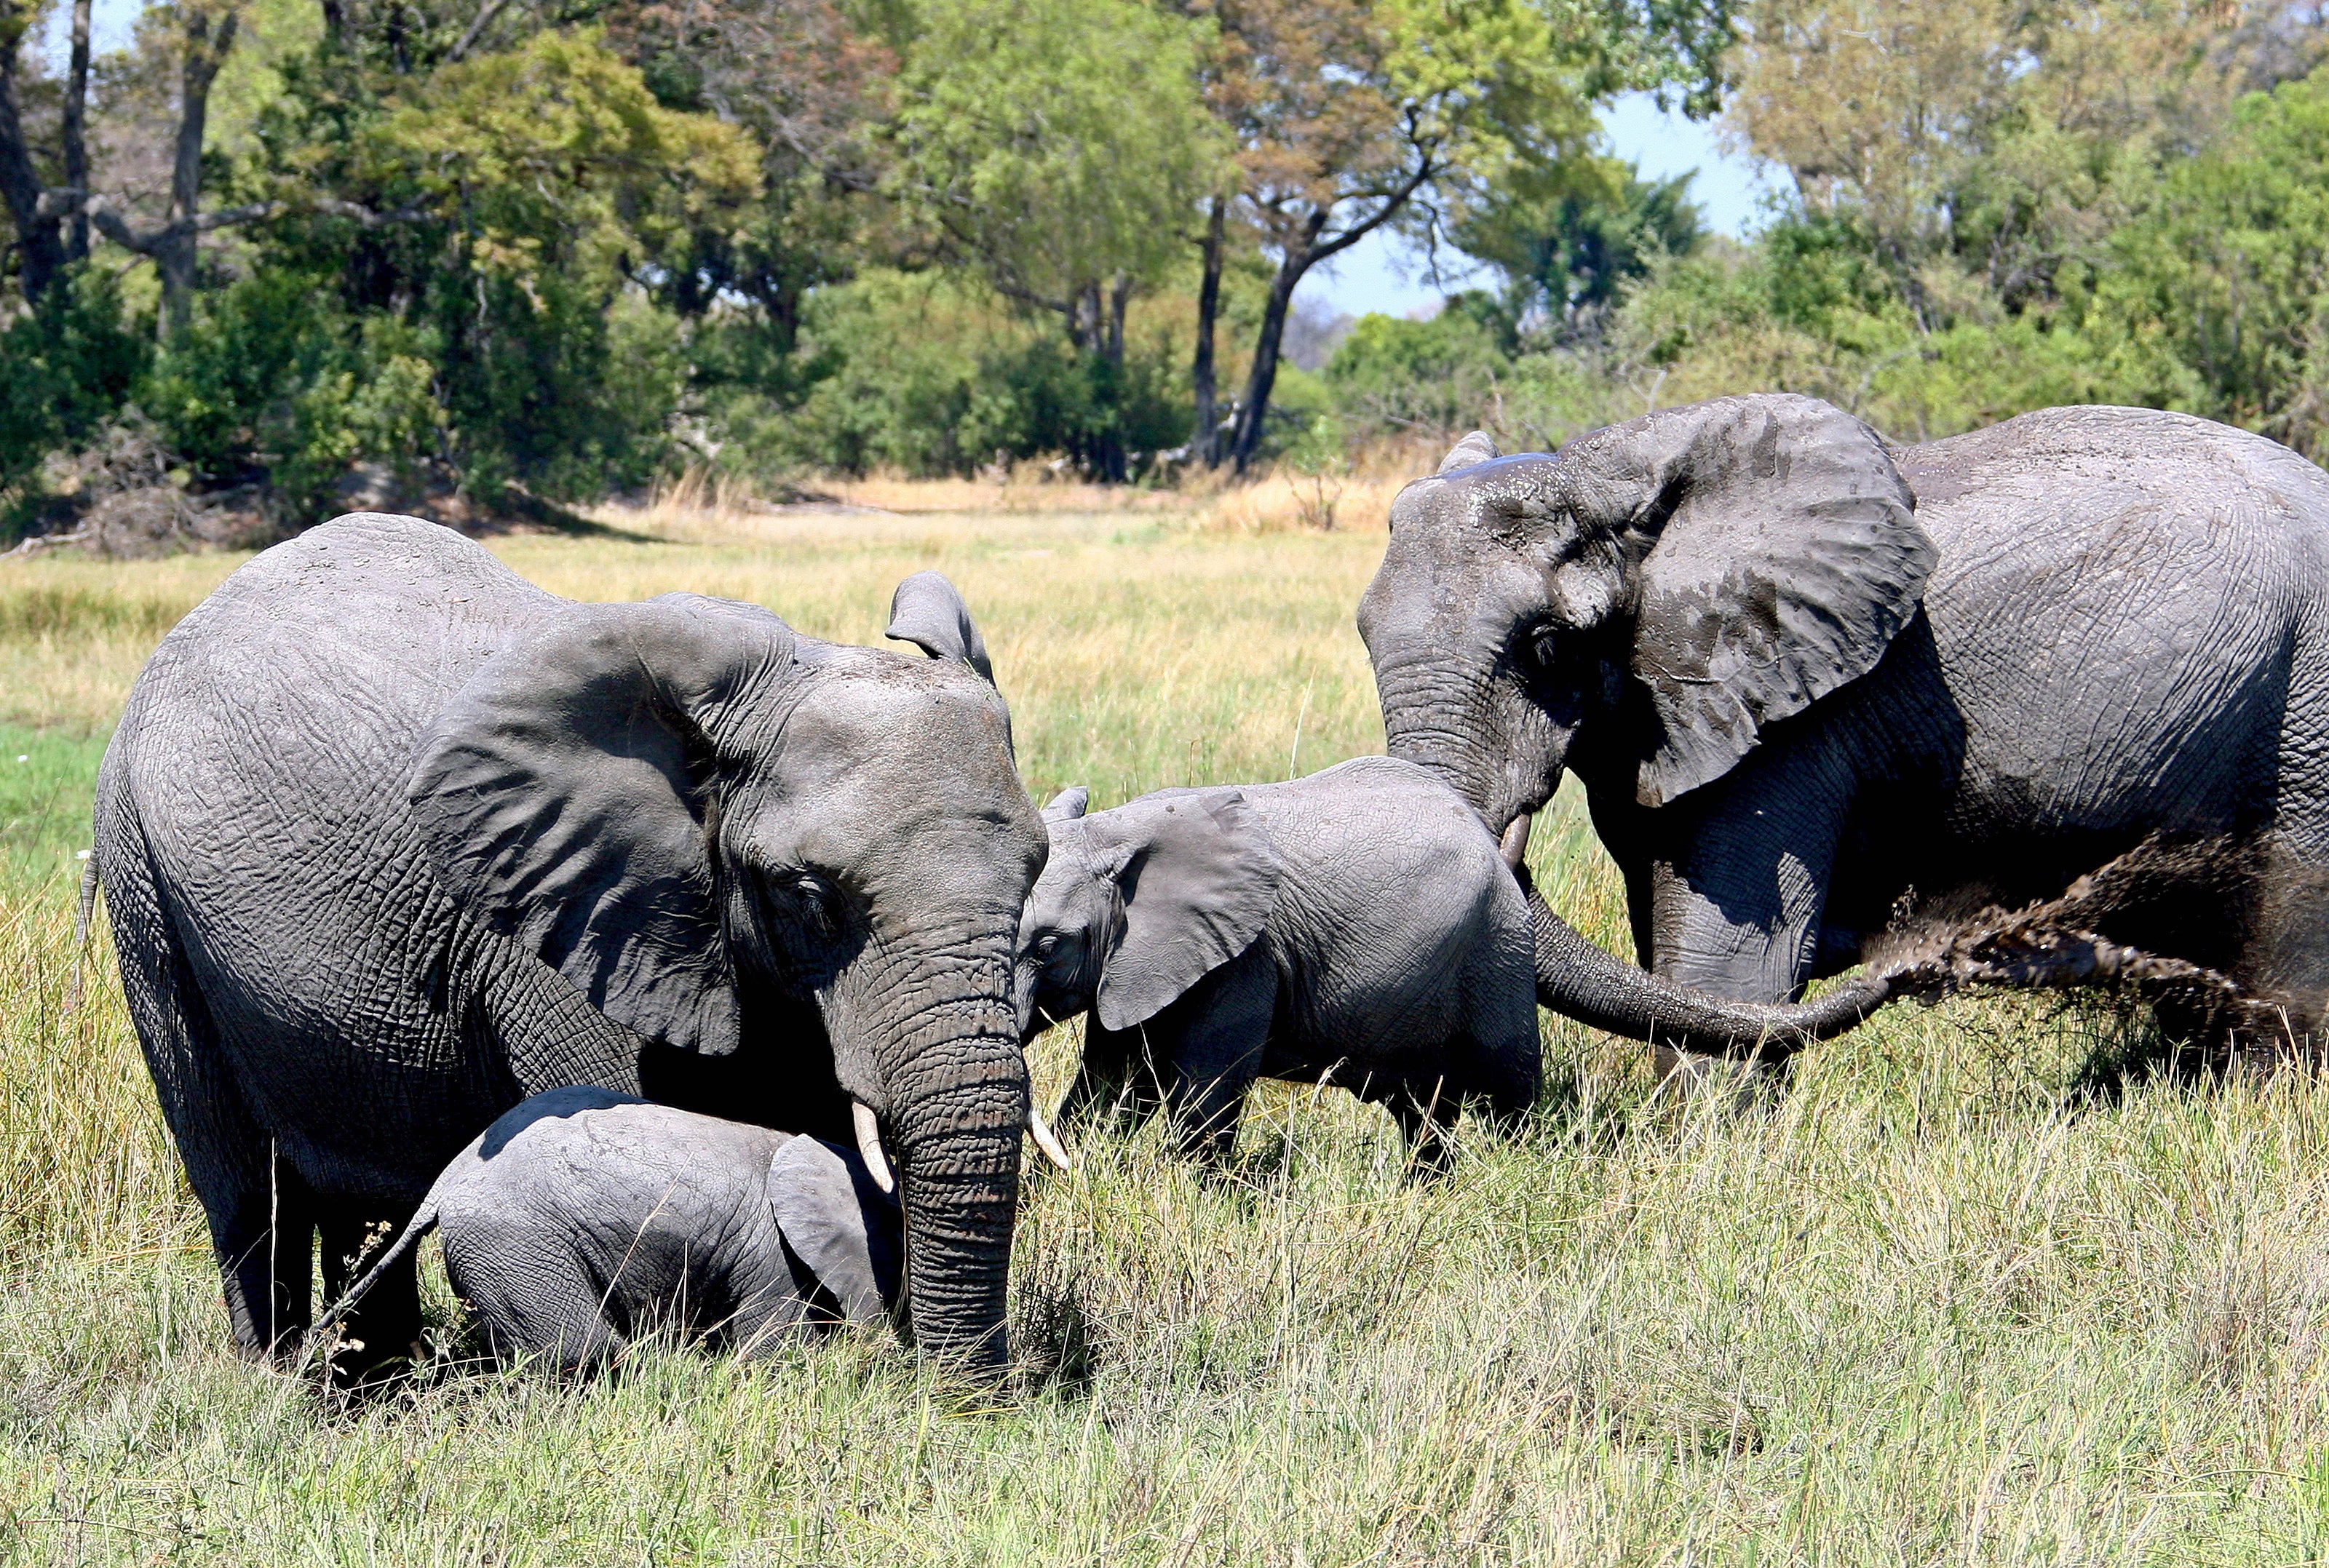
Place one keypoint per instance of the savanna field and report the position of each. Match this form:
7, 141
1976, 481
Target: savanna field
1969, 1293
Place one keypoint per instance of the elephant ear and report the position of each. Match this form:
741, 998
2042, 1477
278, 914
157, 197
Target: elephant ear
928, 612
562, 797
1198, 875
838, 1223
1784, 557
1475, 448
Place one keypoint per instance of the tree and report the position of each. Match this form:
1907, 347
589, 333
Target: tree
39, 250
810, 88
1061, 147
2220, 297
1569, 250
1980, 147
1352, 115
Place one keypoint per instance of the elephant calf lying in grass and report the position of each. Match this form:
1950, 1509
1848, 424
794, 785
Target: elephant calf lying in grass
1358, 926
583, 1219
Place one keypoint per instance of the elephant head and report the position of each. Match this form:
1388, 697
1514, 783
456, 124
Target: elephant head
694, 813
1138, 903
1641, 608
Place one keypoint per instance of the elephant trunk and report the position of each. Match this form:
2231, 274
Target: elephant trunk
1577, 978
1475, 751
956, 1106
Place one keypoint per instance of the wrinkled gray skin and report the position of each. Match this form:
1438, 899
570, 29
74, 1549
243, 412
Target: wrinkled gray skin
1801, 674
582, 1220
391, 840
1356, 922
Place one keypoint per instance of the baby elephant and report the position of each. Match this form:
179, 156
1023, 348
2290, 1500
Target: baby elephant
583, 1219
1358, 922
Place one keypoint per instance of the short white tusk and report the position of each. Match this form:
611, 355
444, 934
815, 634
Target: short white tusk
1045, 1139
1514, 843
869, 1144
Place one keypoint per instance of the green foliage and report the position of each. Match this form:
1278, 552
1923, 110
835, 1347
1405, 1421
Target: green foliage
1060, 143
555, 157
492, 334
927, 377
1572, 249
1394, 375
67, 365
2218, 300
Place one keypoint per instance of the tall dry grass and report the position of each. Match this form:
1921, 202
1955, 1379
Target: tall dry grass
1936, 1304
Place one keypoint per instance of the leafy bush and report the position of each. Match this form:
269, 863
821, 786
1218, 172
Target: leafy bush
2218, 300
929, 376
66, 364
1391, 375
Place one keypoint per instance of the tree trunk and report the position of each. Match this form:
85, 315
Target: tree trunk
76, 131
1105, 455
1120, 296
1205, 434
20, 181
1245, 441
207, 42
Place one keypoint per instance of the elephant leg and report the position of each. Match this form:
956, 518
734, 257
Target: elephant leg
1215, 1037
262, 1229
1426, 1113
534, 1297
384, 1328
1736, 905
260, 1213
1118, 1076
1497, 1062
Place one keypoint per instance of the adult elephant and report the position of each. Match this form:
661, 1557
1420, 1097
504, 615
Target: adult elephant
1802, 673
393, 838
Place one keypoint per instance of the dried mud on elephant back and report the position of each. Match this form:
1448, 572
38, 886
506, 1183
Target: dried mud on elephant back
2271, 929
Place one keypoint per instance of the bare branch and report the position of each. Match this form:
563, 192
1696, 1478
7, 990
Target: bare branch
485, 19
100, 209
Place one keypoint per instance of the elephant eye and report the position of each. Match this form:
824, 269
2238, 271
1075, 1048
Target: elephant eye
1544, 647
819, 899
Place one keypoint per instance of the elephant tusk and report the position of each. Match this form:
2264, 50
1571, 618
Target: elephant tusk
869, 1144
1045, 1139
1513, 845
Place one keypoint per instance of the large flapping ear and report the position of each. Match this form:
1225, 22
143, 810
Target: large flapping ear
1474, 448
1198, 875
562, 797
928, 612
838, 1223
1783, 555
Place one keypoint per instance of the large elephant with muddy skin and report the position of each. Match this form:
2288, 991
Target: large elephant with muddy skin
393, 838
1804, 675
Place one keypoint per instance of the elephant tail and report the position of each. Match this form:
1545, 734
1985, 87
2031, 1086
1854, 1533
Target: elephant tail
83, 916
423, 1221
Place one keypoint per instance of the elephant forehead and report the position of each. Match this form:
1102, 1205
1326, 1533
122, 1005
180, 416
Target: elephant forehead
1449, 590
894, 725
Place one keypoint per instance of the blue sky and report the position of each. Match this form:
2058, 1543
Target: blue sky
1382, 274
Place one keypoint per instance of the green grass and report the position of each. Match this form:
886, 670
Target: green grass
1932, 1306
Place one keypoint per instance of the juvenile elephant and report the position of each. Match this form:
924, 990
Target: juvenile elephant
391, 840
1357, 923
1802, 673
582, 1220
